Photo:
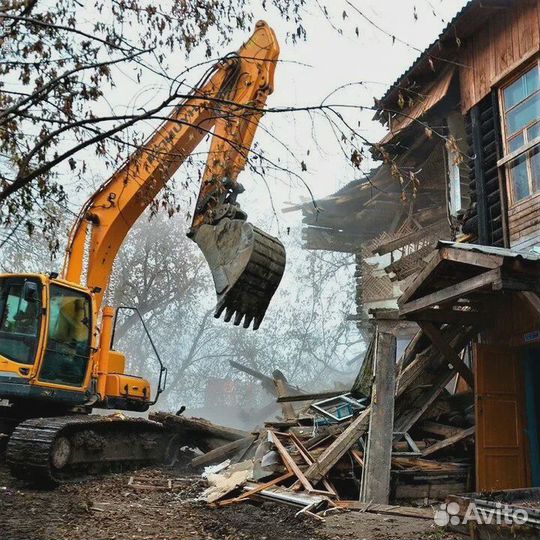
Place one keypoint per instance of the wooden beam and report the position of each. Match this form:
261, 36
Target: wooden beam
309, 459
266, 380
376, 476
289, 462
453, 292
410, 238
479, 176
421, 363
463, 434
197, 426
516, 282
533, 300
406, 418
281, 391
223, 452
312, 397
408, 511
473, 258
343, 442
435, 428
446, 350
454, 316
419, 279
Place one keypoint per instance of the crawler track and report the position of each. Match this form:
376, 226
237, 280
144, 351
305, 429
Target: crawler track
50, 451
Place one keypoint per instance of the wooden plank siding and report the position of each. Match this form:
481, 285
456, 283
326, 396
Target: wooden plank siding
524, 223
502, 44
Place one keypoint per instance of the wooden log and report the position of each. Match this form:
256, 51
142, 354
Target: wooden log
376, 477
342, 443
197, 426
463, 434
223, 452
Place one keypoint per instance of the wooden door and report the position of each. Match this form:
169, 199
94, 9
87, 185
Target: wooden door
500, 438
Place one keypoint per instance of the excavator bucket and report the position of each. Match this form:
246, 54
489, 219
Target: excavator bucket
247, 265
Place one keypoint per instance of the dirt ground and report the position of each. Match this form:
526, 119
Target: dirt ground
161, 504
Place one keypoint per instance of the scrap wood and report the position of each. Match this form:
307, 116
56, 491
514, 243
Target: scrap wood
198, 426
463, 434
322, 465
150, 484
289, 461
227, 481
281, 391
308, 458
359, 458
414, 463
223, 452
258, 489
407, 511
436, 428
312, 397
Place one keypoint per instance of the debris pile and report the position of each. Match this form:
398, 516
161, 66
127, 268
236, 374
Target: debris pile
314, 456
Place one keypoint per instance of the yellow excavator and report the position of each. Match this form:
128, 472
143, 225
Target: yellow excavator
57, 357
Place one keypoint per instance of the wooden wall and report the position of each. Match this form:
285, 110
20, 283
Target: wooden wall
514, 317
524, 223
507, 39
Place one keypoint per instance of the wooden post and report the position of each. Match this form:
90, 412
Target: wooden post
281, 391
376, 475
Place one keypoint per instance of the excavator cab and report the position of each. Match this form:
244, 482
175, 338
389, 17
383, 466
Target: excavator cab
47, 348
45, 337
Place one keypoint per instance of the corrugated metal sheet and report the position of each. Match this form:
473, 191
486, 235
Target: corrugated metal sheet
490, 250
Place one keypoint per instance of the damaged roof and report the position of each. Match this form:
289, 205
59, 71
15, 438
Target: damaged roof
441, 51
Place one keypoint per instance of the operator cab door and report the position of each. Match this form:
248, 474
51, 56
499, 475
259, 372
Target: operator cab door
67, 345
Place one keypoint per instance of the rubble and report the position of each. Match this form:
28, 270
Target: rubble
314, 457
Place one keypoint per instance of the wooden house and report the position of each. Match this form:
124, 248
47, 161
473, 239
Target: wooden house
461, 164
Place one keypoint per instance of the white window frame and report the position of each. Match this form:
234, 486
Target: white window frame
509, 157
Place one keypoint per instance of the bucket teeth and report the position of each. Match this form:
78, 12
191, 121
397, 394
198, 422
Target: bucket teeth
228, 314
247, 265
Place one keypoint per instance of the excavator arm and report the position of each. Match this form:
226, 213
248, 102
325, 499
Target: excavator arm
246, 264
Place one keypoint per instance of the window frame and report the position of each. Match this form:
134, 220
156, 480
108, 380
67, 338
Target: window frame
510, 156
44, 380
20, 281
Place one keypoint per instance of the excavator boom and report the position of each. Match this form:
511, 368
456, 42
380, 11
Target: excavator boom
246, 263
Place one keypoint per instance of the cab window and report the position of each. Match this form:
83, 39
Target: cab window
20, 314
68, 341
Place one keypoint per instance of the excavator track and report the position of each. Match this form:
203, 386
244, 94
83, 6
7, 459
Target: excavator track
51, 451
